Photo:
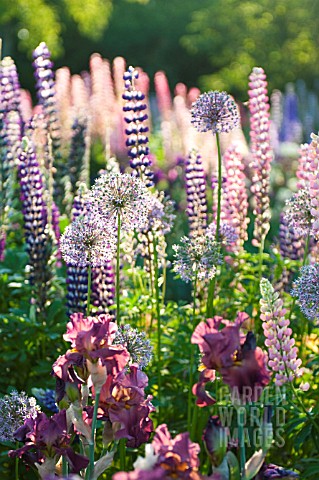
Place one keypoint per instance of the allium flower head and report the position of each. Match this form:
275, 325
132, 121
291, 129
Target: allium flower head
198, 256
298, 212
88, 241
306, 290
14, 410
136, 343
121, 195
161, 214
216, 112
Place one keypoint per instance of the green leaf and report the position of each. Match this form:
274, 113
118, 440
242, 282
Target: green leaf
254, 464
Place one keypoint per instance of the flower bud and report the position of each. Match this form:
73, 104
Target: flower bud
215, 440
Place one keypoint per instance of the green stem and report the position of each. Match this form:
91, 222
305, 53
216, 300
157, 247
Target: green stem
164, 283
219, 189
159, 330
303, 409
191, 362
261, 254
241, 441
118, 269
122, 451
90, 468
65, 467
88, 301
17, 464
212, 284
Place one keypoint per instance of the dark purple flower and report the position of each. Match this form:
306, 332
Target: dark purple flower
135, 116
123, 402
241, 364
215, 438
91, 340
271, 471
195, 184
47, 438
166, 458
39, 242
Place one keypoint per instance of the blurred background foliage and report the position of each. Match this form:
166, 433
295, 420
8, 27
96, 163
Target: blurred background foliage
208, 43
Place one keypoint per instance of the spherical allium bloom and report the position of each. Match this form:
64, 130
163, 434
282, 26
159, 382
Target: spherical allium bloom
14, 410
136, 343
298, 212
240, 362
197, 257
161, 214
121, 196
88, 241
216, 112
167, 458
306, 290
282, 353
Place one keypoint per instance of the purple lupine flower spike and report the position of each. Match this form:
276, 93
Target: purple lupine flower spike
291, 243
77, 277
43, 72
283, 354
45, 86
10, 138
235, 199
195, 183
9, 86
136, 130
261, 152
76, 158
37, 235
291, 246
103, 287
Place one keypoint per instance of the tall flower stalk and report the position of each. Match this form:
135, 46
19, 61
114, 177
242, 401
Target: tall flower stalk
215, 112
262, 156
39, 241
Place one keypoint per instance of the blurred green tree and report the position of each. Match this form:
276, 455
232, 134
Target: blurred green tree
34, 21
279, 35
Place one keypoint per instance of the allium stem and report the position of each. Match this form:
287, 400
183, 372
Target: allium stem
241, 441
159, 330
118, 269
89, 291
212, 284
219, 188
65, 467
17, 464
90, 469
191, 362
122, 451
